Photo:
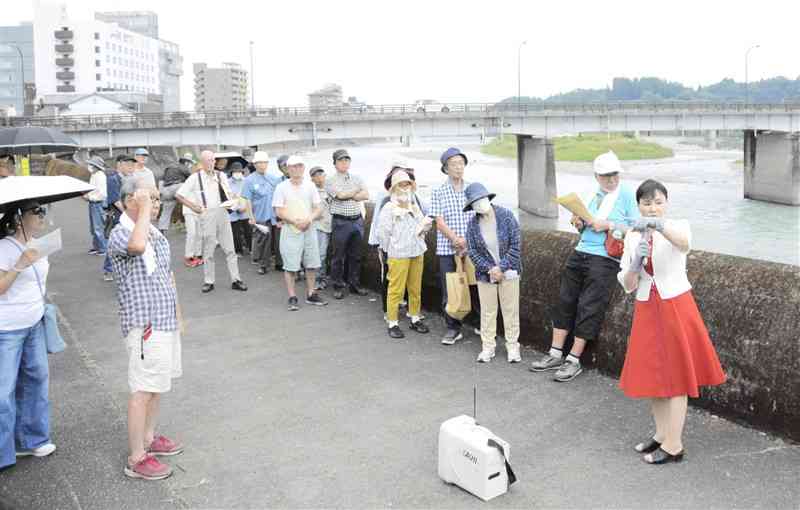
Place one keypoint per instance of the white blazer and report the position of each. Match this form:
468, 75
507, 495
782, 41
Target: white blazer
669, 264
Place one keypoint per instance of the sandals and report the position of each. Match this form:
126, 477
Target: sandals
661, 456
647, 446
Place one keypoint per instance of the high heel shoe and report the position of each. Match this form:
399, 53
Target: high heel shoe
660, 456
647, 446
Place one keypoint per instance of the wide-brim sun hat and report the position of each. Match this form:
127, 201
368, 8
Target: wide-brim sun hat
607, 163
475, 192
449, 153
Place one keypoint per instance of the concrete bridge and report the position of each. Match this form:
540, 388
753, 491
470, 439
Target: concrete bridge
771, 132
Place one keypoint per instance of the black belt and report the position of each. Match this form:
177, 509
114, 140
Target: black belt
348, 218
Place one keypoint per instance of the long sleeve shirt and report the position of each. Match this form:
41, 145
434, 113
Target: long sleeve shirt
98, 180
508, 240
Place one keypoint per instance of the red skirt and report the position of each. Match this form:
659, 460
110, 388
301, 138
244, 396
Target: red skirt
669, 351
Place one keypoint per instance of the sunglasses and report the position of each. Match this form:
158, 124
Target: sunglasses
40, 211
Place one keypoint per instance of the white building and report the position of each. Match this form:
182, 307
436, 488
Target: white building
75, 55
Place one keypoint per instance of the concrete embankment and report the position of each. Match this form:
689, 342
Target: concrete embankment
751, 309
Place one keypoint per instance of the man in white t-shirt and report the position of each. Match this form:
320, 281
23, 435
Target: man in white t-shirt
297, 204
141, 172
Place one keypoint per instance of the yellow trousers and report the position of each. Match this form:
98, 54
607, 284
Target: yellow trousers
404, 274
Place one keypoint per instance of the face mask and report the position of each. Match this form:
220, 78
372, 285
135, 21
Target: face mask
402, 196
238, 176
482, 206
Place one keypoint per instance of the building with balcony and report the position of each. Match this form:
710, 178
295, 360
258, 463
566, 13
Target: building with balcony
220, 88
17, 90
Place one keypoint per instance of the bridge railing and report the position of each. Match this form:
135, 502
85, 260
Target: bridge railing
303, 114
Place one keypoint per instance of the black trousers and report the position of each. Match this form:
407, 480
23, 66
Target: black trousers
242, 235
586, 285
346, 238
262, 247
275, 241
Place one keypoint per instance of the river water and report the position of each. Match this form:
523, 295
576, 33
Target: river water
704, 187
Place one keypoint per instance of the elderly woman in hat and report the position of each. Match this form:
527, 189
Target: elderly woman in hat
401, 233
590, 271
493, 244
24, 400
670, 355
380, 201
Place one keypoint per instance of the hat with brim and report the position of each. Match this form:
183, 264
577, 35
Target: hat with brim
449, 153
396, 167
186, 158
340, 154
315, 170
125, 158
475, 192
607, 164
400, 177
295, 160
96, 162
260, 157
141, 152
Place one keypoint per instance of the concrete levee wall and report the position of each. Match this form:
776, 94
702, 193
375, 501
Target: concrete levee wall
751, 309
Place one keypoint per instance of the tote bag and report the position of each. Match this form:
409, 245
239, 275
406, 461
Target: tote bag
458, 300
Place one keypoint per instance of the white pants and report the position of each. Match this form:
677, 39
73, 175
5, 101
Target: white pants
194, 238
507, 293
161, 363
216, 228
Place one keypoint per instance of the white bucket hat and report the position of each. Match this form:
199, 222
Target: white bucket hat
260, 157
607, 163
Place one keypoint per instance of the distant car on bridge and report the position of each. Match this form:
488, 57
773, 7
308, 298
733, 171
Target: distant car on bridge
430, 106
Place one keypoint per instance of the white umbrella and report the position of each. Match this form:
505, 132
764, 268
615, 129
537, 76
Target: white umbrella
44, 189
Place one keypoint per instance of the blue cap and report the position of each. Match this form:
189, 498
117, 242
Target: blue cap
141, 151
449, 153
475, 192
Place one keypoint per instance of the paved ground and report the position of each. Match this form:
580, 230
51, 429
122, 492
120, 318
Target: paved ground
319, 408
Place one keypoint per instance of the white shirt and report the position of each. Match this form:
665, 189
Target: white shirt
190, 189
299, 200
22, 305
145, 174
488, 226
669, 264
98, 180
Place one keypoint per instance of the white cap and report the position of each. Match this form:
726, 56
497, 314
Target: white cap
295, 160
260, 156
607, 163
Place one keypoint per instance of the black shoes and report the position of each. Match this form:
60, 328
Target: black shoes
314, 299
419, 327
662, 457
238, 285
338, 294
647, 446
207, 287
358, 291
395, 332
293, 304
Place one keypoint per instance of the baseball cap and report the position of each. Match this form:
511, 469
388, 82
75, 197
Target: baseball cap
340, 154
295, 160
260, 157
607, 163
315, 170
141, 151
125, 157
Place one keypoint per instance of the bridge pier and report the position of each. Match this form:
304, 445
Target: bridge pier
536, 176
772, 166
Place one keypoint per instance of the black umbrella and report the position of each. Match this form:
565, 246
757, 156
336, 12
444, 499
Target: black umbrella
35, 140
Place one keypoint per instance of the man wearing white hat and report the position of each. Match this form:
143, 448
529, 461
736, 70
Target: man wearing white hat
208, 194
590, 271
258, 189
298, 204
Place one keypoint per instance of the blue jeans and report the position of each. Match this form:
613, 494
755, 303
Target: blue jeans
97, 226
24, 404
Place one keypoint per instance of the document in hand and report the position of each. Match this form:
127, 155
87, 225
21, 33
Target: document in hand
47, 244
575, 205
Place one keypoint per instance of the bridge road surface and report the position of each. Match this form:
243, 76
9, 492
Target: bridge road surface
320, 409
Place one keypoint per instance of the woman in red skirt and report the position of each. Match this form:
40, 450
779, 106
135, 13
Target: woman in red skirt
670, 354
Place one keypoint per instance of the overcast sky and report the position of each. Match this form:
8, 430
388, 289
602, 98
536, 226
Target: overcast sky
396, 52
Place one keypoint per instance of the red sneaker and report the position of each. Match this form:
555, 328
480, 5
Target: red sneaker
189, 261
149, 468
164, 447
198, 261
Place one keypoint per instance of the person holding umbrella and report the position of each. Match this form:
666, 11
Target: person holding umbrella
24, 370
24, 373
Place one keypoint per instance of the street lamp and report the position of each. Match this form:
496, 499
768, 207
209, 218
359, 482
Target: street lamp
519, 75
252, 80
746, 78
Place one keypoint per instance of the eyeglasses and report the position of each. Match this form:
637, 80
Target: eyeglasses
38, 211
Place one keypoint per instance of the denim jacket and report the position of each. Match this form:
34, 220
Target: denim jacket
508, 240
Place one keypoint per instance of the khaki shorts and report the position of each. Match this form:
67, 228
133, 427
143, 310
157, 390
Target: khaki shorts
161, 363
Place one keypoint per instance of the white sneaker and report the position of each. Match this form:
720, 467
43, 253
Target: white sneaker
41, 451
485, 356
477, 331
513, 353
